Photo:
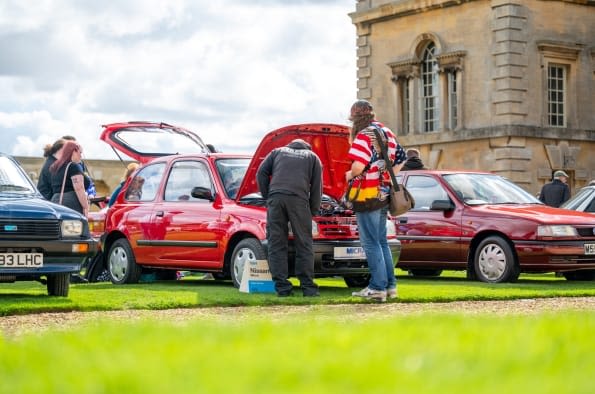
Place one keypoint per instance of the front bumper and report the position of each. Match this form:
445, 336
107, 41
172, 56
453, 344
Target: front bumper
558, 256
325, 263
59, 256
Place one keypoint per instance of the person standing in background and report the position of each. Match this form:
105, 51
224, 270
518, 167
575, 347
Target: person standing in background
51, 154
68, 183
413, 161
130, 168
557, 191
290, 179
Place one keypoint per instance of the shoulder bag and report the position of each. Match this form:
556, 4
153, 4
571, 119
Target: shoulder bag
400, 200
64, 182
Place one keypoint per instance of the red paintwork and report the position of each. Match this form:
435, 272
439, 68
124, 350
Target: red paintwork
225, 221
446, 239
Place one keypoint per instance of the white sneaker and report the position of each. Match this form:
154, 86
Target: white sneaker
376, 295
392, 293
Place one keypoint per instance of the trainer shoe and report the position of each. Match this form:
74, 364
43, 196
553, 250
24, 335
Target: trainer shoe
371, 294
392, 293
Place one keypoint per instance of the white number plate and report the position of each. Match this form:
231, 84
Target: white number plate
349, 253
589, 248
21, 260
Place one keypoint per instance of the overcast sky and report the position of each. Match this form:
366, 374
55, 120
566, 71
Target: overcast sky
230, 70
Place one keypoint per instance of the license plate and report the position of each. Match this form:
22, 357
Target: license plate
349, 253
589, 248
21, 260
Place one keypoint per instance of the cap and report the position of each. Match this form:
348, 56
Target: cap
361, 107
560, 173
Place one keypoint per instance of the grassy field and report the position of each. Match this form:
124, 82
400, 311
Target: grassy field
306, 352
30, 297
310, 353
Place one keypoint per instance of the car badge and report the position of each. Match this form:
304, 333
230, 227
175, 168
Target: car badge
10, 227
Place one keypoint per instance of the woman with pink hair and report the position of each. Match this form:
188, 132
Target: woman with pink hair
68, 180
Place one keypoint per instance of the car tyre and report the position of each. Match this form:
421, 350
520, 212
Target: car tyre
357, 280
246, 251
121, 263
494, 261
425, 272
580, 275
58, 284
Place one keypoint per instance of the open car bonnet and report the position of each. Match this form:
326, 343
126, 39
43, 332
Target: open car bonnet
329, 141
144, 141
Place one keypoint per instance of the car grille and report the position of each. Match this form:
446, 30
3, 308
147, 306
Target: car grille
29, 229
338, 227
588, 232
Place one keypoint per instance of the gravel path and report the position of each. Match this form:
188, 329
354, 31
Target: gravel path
15, 326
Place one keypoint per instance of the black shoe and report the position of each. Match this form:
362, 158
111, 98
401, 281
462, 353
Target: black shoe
78, 279
285, 294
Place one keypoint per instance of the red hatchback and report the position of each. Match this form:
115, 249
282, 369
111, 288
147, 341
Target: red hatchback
487, 225
201, 211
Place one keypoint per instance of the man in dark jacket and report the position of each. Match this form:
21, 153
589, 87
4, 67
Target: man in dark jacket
413, 161
557, 191
290, 179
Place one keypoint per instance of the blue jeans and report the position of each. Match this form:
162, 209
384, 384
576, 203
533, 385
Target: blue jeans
372, 234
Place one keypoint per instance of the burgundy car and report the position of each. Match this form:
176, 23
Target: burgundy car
490, 227
201, 211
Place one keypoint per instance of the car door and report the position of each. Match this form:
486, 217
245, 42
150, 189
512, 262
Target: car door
429, 236
186, 231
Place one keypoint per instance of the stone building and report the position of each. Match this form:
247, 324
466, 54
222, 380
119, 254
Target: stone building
506, 86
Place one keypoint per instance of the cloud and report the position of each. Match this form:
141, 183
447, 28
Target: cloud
229, 70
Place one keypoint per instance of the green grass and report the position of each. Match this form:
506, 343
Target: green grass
310, 353
30, 297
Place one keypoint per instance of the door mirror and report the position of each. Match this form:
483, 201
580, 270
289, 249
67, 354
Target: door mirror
202, 193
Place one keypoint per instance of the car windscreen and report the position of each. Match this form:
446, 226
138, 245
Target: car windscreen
478, 189
578, 199
232, 172
12, 179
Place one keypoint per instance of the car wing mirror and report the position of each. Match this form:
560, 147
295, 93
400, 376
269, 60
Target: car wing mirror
202, 193
442, 205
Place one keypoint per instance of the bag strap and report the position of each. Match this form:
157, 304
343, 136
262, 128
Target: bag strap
64, 182
384, 151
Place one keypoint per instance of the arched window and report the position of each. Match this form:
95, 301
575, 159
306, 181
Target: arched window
430, 106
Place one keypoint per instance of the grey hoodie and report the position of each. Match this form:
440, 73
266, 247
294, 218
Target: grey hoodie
293, 169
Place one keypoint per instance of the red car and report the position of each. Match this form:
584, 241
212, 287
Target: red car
487, 225
201, 211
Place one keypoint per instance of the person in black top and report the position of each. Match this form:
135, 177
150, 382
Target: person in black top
413, 161
44, 183
290, 179
67, 179
557, 191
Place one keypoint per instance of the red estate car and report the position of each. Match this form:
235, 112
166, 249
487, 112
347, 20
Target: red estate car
487, 225
201, 211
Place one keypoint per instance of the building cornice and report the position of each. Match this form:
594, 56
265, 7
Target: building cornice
398, 9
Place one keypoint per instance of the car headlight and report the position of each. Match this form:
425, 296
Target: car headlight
71, 228
391, 229
556, 231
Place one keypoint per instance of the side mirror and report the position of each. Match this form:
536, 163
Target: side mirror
442, 205
202, 193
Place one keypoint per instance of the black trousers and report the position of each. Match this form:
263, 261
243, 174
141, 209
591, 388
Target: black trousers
281, 210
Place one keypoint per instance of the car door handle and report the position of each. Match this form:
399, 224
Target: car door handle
402, 219
159, 214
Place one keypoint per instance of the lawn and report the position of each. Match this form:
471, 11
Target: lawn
307, 352
30, 297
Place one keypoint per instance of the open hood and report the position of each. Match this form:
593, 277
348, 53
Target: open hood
329, 141
144, 141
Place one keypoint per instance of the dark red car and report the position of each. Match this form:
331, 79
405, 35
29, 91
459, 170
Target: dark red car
487, 225
202, 211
